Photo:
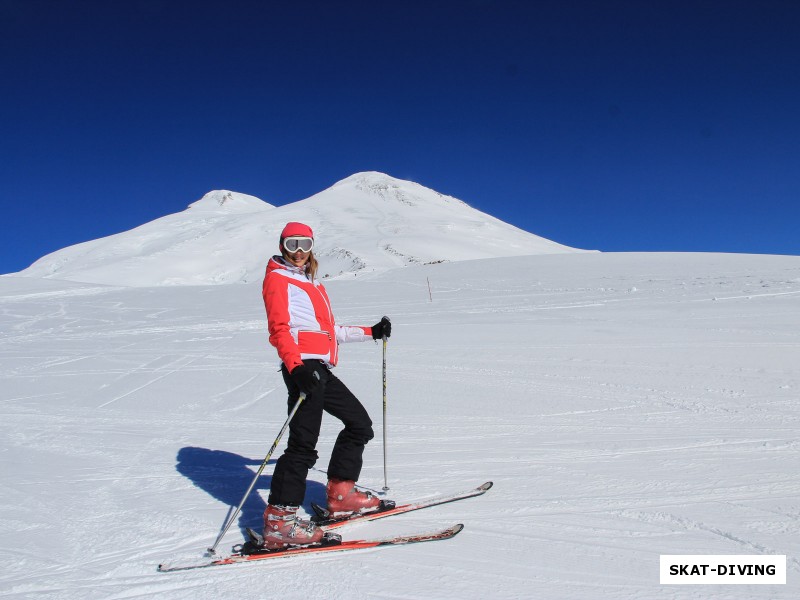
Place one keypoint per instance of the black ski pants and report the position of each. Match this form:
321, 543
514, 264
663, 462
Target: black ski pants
332, 396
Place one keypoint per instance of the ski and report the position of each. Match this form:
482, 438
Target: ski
326, 523
252, 554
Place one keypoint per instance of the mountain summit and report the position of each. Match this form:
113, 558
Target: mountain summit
368, 222
226, 201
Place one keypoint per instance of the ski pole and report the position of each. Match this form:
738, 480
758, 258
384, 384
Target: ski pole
212, 549
385, 477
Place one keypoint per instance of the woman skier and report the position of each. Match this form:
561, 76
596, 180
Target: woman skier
303, 330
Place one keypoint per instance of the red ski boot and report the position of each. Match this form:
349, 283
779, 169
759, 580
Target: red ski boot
345, 500
282, 528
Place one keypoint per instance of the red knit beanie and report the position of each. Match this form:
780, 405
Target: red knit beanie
296, 230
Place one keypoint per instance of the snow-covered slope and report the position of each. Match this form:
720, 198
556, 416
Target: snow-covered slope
625, 405
366, 223
199, 245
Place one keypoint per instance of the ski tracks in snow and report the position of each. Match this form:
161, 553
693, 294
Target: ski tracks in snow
170, 368
620, 413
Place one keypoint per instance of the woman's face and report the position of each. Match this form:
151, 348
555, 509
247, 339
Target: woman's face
297, 258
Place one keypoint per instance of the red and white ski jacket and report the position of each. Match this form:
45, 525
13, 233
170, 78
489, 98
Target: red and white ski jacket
300, 319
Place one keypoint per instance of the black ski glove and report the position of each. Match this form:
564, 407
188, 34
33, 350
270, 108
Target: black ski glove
384, 328
306, 378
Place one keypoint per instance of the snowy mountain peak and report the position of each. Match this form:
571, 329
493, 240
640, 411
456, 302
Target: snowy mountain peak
367, 223
369, 178
387, 188
227, 201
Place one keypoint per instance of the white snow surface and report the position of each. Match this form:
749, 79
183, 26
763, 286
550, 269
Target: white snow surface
625, 405
366, 223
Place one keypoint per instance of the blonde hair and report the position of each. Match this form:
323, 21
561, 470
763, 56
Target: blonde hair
311, 266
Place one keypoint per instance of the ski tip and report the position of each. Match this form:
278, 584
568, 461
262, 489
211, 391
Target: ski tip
486, 486
456, 529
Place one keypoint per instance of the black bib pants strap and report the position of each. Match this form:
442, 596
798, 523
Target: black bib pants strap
332, 396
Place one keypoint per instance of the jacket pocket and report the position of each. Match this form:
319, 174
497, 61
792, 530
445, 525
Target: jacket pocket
314, 342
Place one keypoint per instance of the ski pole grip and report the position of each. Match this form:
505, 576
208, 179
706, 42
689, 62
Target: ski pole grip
390, 321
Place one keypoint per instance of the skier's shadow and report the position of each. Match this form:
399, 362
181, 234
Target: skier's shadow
226, 477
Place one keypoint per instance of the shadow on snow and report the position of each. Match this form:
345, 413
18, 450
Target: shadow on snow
226, 477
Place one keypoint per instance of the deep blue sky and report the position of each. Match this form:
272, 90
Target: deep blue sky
612, 125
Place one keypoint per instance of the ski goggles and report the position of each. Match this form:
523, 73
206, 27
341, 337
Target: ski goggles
293, 244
